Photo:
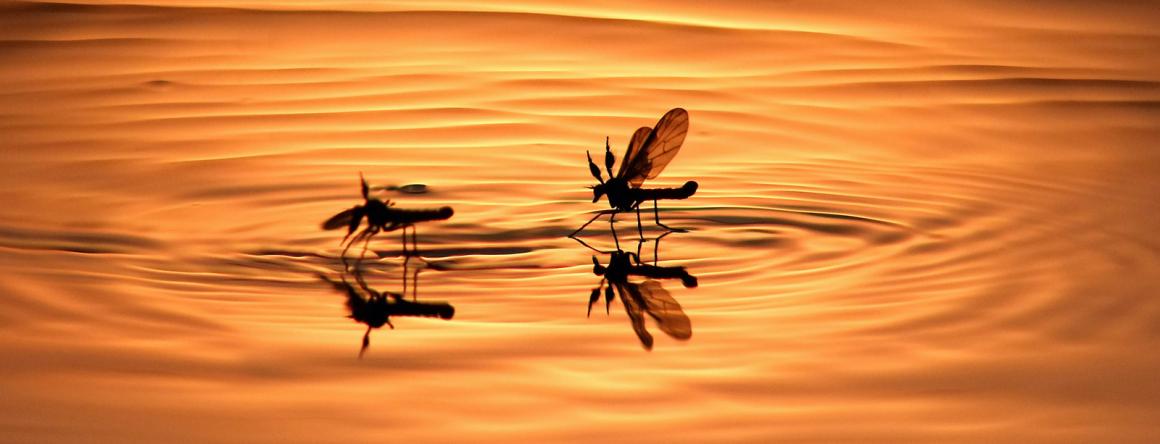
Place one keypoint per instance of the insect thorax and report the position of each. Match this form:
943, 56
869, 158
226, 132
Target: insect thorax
620, 196
377, 212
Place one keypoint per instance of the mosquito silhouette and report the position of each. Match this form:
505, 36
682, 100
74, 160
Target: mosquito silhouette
375, 309
381, 216
649, 151
639, 299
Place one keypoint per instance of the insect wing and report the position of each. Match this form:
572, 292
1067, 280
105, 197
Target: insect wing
659, 148
634, 145
668, 314
633, 306
339, 220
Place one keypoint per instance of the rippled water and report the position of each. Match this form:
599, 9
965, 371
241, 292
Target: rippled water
923, 224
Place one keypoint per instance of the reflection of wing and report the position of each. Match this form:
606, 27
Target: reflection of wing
634, 145
633, 305
339, 220
659, 304
659, 147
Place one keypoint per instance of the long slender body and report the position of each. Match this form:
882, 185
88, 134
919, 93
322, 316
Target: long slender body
406, 217
381, 216
648, 152
638, 196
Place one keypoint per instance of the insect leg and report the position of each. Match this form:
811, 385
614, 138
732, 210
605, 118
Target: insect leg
367, 242
354, 240
593, 219
612, 225
657, 217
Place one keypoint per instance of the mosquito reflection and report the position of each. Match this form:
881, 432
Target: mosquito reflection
641, 299
375, 308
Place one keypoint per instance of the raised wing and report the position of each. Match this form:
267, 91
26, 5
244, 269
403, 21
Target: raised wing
658, 149
668, 314
634, 145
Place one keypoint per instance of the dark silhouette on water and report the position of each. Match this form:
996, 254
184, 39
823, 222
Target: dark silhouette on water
381, 216
647, 297
649, 151
375, 309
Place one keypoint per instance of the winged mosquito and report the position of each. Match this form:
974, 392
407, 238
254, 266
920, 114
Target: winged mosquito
639, 299
649, 151
381, 216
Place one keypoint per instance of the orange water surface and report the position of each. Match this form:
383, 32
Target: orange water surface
916, 222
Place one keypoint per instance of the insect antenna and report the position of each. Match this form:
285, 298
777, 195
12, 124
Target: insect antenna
366, 342
594, 169
609, 158
365, 189
595, 296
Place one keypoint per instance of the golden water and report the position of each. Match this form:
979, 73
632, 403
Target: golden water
915, 222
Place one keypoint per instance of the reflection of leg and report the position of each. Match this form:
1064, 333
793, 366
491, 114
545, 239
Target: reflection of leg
415, 243
656, 249
358, 278
612, 225
657, 217
639, 227
415, 252
406, 259
415, 286
657, 246
593, 219
581, 241
404, 242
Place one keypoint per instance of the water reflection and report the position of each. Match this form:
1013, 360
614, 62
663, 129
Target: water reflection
644, 298
375, 308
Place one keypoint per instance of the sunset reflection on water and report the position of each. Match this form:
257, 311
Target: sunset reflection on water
914, 223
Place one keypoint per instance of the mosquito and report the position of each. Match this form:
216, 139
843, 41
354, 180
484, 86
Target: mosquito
649, 151
374, 309
381, 216
648, 297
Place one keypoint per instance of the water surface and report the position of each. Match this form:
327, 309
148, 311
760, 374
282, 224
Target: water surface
914, 224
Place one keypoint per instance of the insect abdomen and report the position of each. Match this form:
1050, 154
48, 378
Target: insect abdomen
441, 310
683, 192
413, 216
